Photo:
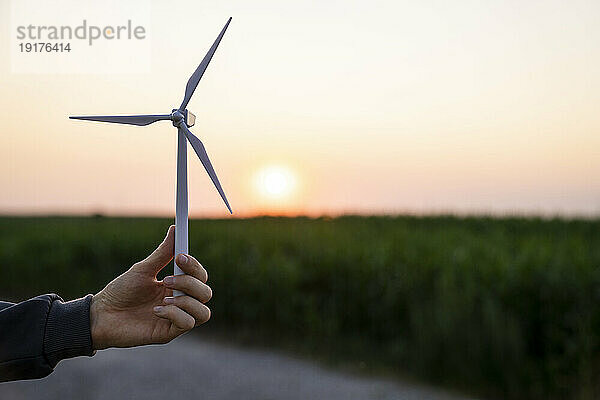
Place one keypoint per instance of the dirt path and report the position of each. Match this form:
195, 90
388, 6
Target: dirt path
192, 369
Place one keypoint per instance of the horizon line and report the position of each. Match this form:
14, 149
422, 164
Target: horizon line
426, 214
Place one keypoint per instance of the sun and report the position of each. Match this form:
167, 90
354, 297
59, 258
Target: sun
275, 182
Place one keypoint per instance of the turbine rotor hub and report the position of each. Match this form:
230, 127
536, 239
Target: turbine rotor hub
183, 116
177, 117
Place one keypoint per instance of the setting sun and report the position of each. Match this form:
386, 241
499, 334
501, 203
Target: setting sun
275, 182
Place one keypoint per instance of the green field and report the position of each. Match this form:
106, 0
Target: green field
501, 307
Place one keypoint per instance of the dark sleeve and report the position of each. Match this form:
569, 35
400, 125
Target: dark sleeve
36, 334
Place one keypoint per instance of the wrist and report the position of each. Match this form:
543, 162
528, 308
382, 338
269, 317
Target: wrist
97, 328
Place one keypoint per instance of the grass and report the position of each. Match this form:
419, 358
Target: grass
501, 307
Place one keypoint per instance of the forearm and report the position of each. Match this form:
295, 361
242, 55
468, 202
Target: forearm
36, 334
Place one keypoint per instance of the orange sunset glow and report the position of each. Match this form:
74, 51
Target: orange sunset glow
324, 108
275, 182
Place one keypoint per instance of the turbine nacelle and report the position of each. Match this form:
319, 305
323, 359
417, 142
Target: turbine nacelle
187, 116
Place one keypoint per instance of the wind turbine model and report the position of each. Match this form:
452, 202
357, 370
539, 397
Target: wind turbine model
182, 119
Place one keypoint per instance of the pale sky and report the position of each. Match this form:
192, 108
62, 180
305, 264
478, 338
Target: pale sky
368, 107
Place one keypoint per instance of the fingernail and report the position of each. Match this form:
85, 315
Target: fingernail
158, 309
181, 259
169, 280
169, 300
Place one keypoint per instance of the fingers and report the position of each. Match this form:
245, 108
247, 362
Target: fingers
190, 286
181, 321
191, 266
186, 311
161, 256
191, 306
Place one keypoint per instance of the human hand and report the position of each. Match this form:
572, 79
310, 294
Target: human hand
135, 309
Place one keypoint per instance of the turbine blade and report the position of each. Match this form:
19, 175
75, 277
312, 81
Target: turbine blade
197, 75
201, 152
139, 120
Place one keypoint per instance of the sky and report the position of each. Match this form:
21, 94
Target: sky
325, 107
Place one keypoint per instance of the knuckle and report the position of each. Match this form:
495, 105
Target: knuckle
205, 316
198, 269
137, 265
208, 294
200, 273
189, 323
195, 268
203, 274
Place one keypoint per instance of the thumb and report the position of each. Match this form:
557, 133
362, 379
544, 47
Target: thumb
161, 256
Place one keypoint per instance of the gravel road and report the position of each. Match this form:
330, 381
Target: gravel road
191, 368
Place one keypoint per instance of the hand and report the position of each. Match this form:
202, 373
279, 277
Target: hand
136, 309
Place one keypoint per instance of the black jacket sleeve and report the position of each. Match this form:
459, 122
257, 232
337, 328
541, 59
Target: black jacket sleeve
36, 334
